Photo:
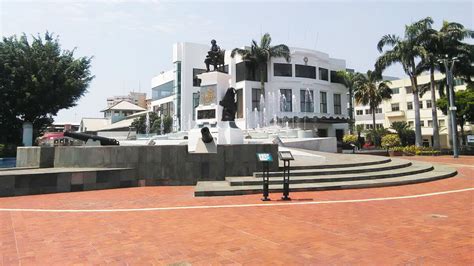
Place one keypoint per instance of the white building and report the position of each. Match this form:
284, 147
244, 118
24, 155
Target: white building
306, 88
400, 108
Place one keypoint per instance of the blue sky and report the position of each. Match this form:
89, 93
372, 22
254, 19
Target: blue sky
131, 41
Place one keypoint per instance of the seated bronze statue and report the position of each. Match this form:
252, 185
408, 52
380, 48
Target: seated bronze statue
214, 57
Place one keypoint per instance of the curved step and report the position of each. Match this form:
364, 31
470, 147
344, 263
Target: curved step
338, 165
393, 164
223, 188
415, 168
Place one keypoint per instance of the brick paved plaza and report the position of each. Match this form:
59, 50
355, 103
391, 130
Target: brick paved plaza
315, 228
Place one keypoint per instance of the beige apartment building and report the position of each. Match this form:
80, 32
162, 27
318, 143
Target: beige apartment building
401, 108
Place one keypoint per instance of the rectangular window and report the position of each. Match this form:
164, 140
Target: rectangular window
409, 90
282, 70
441, 122
302, 71
256, 94
324, 102
323, 74
458, 82
379, 126
306, 101
286, 102
162, 91
430, 123
422, 123
395, 107
196, 81
411, 124
421, 104
395, 90
359, 112
378, 111
409, 105
368, 111
240, 103
337, 104
428, 104
244, 71
335, 77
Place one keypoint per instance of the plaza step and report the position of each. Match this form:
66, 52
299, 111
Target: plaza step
308, 171
412, 169
406, 173
381, 160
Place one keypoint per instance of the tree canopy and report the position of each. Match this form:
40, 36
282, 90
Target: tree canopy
37, 79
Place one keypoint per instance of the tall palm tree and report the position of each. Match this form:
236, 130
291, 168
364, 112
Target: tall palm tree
260, 55
438, 44
446, 41
348, 79
371, 90
407, 51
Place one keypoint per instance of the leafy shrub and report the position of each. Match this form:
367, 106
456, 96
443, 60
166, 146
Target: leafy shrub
349, 139
397, 148
390, 140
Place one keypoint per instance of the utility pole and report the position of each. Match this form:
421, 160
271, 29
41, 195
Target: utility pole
449, 65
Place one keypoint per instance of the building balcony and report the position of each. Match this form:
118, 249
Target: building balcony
395, 114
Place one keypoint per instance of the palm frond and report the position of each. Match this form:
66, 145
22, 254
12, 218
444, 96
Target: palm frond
389, 39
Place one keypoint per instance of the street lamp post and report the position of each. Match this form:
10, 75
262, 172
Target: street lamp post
449, 65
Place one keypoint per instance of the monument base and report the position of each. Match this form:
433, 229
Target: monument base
224, 133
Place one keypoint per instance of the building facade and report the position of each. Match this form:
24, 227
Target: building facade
401, 108
137, 98
302, 93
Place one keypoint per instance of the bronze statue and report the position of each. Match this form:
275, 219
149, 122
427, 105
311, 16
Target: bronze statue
214, 57
230, 105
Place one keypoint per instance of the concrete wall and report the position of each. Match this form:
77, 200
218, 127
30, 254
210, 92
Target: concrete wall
40, 157
171, 164
328, 144
34, 182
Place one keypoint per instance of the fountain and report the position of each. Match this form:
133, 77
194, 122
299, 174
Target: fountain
147, 124
162, 126
255, 118
262, 109
303, 133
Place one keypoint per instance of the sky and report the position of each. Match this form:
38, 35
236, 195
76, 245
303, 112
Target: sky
131, 41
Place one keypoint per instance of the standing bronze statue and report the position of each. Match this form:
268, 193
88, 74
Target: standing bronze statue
214, 57
229, 102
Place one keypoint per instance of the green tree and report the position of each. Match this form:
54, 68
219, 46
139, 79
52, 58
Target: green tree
348, 79
438, 44
258, 56
139, 123
404, 132
371, 90
407, 51
37, 79
464, 101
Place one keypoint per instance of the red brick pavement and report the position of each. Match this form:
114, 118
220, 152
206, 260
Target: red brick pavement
431, 230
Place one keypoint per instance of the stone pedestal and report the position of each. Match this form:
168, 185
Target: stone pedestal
209, 113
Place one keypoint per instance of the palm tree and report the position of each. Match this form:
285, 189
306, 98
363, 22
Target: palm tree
406, 51
438, 44
371, 90
260, 55
348, 79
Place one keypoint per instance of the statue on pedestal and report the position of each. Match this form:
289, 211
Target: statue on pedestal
229, 102
214, 57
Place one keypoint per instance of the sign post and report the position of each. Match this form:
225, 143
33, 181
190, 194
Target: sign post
286, 157
265, 159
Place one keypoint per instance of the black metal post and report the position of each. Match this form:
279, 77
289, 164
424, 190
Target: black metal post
266, 176
286, 180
